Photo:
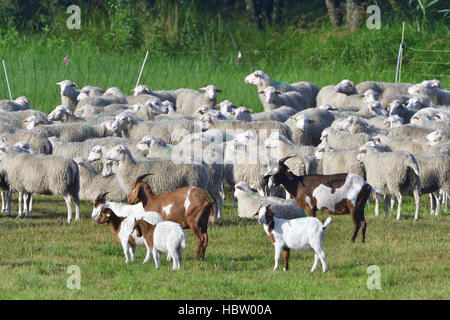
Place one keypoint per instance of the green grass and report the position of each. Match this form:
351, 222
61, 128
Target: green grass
321, 55
35, 254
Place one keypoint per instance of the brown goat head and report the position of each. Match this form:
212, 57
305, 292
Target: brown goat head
105, 215
133, 197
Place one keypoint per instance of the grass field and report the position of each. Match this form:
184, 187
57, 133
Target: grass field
36, 253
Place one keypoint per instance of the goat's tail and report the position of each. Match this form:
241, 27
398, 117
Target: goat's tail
326, 223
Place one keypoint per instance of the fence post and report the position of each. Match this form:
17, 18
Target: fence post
142, 68
400, 56
7, 80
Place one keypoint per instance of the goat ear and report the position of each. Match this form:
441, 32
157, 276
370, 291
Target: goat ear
283, 160
257, 211
141, 178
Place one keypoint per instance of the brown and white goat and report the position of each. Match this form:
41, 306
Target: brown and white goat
188, 206
340, 193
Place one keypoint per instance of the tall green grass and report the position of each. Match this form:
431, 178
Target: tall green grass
324, 56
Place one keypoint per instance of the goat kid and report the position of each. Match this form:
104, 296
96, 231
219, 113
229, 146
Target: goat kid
297, 234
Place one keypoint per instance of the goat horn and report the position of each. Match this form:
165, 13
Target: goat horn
282, 160
141, 178
101, 196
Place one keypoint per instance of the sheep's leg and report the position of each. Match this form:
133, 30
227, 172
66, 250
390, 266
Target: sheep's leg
19, 200
9, 202
69, 208
386, 212
277, 256
377, 207
416, 194
400, 202
392, 203
286, 258
438, 203
4, 206
432, 203
28, 201
77, 207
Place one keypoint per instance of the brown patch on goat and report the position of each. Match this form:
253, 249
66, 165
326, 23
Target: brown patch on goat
197, 217
108, 216
302, 186
146, 230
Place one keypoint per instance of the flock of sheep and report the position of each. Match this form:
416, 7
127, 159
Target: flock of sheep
395, 136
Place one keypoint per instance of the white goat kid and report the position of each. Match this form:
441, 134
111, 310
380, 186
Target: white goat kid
298, 234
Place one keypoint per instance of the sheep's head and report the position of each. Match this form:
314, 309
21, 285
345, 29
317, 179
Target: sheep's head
66, 86
243, 187
204, 109
121, 122
210, 92
23, 101
118, 153
135, 195
435, 137
113, 91
417, 103
242, 114
322, 148
31, 122
279, 174
345, 87
109, 168
395, 107
96, 153
23, 146
141, 89
302, 122
226, 107
168, 106
257, 78
246, 137
59, 113
270, 94
376, 109
393, 121
369, 95
155, 104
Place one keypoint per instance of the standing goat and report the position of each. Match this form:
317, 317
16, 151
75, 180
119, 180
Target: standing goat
188, 206
334, 194
298, 234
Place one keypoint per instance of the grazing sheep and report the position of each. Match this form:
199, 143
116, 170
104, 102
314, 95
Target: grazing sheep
261, 128
170, 131
111, 96
275, 98
43, 174
92, 183
392, 173
298, 234
262, 80
170, 95
384, 88
73, 132
128, 169
189, 100
280, 114
69, 94
21, 103
307, 125
344, 140
436, 96
249, 201
188, 206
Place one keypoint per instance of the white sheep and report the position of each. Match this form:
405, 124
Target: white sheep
189, 100
21, 103
69, 94
275, 98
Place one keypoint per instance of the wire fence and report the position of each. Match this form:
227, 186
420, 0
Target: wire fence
36, 76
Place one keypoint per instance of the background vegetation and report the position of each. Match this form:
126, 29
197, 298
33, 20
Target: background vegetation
193, 43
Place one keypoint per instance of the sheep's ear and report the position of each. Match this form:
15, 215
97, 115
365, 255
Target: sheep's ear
261, 92
74, 84
203, 89
218, 90
141, 178
250, 110
257, 211
277, 92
